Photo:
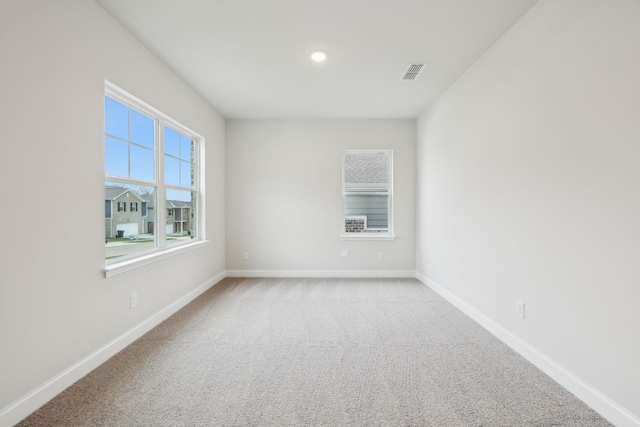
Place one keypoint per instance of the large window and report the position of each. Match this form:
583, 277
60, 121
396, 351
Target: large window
151, 166
367, 191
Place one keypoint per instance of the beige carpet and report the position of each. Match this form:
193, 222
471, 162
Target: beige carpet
316, 352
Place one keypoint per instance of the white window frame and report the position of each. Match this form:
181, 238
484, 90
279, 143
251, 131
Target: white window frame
389, 233
161, 250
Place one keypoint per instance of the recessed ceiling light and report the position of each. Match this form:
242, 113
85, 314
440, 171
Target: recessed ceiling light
319, 55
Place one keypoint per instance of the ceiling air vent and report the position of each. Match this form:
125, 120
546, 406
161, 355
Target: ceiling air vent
414, 70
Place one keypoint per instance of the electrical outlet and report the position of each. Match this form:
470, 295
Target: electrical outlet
520, 309
380, 255
245, 256
344, 252
133, 301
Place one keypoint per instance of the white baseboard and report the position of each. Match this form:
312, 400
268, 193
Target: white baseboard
323, 273
585, 392
23, 407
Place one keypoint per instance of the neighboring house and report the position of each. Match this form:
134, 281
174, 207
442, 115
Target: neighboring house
151, 213
125, 213
179, 218
134, 214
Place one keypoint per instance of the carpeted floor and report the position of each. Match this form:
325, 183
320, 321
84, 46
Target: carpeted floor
316, 352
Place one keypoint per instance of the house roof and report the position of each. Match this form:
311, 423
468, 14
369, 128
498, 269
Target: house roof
148, 198
113, 192
177, 204
366, 168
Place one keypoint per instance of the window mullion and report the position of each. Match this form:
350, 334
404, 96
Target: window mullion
129, 141
198, 209
161, 234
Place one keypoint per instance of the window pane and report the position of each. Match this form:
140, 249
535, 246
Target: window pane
129, 232
186, 148
180, 219
372, 207
116, 157
171, 142
367, 176
368, 172
171, 170
141, 129
185, 174
116, 120
141, 163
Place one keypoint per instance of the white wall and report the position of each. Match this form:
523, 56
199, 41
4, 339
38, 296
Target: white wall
528, 189
55, 306
284, 194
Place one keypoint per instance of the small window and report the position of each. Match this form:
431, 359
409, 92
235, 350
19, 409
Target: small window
122, 206
367, 192
134, 207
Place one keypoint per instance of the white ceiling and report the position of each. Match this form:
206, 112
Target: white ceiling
250, 58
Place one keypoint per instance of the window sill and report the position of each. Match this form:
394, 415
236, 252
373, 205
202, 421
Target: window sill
131, 264
367, 236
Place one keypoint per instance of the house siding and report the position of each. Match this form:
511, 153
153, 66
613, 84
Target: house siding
126, 216
375, 208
